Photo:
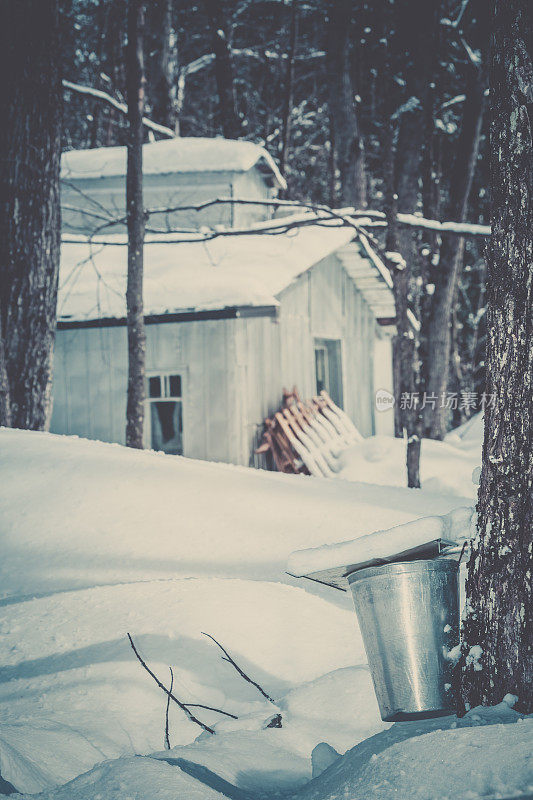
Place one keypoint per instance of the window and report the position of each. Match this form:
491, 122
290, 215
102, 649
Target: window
328, 368
166, 414
321, 365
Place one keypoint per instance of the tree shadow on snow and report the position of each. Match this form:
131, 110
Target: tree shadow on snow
201, 659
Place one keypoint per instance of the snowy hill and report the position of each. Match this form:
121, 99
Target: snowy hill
98, 541
445, 467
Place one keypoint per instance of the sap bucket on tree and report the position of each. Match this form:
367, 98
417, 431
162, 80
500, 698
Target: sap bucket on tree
408, 613
406, 595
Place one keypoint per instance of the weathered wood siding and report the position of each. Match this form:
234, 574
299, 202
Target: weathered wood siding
91, 379
250, 185
233, 371
104, 196
322, 304
384, 420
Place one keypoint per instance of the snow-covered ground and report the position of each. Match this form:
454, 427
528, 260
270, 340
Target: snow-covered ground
444, 466
98, 541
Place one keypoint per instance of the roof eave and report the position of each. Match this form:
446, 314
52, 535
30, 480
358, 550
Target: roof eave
190, 315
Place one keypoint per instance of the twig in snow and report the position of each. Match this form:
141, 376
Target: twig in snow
167, 692
229, 659
211, 708
167, 737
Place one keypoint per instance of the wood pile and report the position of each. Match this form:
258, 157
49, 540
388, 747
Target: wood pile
308, 437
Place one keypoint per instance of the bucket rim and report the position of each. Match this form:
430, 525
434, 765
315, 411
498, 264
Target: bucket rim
404, 567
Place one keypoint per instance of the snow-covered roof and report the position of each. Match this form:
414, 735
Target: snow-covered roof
225, 272
179, 155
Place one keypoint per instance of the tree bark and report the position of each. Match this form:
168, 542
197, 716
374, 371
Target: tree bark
229, 118
136, 225
497, 634
448, 271
348, 142
30, 152
5, 407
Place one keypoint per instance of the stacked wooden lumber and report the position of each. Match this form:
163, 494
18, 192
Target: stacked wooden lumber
308, 437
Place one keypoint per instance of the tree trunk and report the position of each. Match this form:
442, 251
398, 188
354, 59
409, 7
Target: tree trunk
497, 634
405, 359
451, 258
94, 128
163, 73
348, 142
136, 224
288, 90
403, 171
5, 408
113, 63
229, 117
30, 152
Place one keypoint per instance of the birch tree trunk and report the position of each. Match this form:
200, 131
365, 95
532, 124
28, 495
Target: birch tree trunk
136, 224
30, 152
497, 634
347, 141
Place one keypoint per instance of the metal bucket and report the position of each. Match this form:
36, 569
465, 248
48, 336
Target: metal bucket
408, 613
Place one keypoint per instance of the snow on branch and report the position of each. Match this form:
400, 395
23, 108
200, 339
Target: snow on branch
356, 218
122, 107
248, 52
457, 228
362, 222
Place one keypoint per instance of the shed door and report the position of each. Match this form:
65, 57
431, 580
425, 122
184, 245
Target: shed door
328, 368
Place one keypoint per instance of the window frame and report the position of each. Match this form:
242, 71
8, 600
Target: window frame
164, 375
334, 360
319, 346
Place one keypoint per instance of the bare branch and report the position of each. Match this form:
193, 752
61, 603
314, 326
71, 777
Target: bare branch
84, 211
87, 197
167, 692
360, 221
347, 215
122, 107
211, 708
243, 674
167, 735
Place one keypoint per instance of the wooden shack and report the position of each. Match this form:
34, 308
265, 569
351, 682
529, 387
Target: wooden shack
230, 322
